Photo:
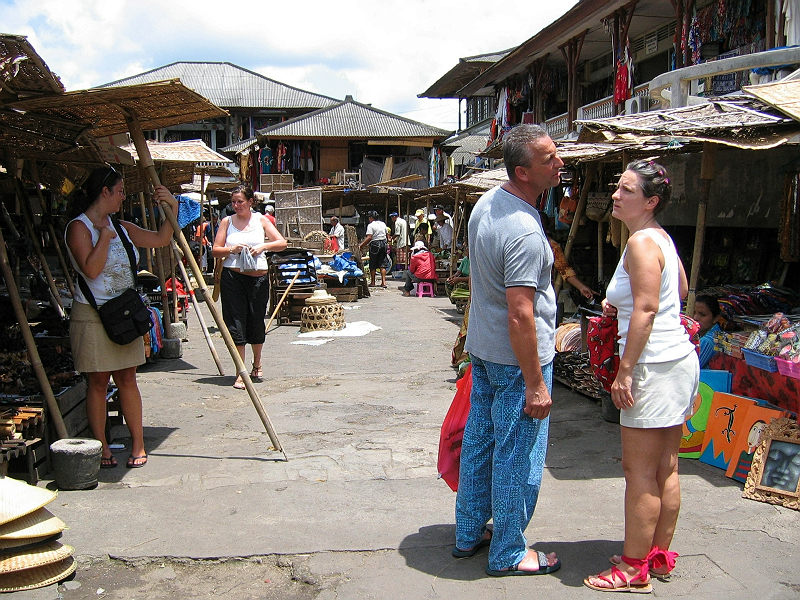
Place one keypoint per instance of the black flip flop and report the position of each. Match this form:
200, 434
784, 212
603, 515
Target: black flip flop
108, 462
133, 465
457, 553
544, 568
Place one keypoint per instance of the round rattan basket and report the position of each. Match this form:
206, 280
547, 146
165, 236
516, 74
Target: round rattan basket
322, 317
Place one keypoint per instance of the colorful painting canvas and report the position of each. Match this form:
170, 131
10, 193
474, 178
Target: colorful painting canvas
694, 427
724, 427
752, 426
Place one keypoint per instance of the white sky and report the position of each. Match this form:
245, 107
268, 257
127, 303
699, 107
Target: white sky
382, 52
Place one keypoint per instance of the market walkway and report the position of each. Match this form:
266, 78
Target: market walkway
357, 511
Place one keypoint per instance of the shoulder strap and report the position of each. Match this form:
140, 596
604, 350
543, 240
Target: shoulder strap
126, 242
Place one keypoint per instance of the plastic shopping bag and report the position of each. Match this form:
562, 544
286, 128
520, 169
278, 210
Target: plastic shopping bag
453, 431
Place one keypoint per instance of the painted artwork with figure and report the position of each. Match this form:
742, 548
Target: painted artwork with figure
782, 466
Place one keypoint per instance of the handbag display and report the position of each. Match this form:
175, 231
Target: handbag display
124, 317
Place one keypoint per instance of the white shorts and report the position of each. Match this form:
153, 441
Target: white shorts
663, 393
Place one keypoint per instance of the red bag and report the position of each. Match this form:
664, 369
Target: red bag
331, 244
601, 338
453, 431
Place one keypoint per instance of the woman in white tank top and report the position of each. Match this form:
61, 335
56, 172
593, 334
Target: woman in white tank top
245, 293
99, 257
656, 382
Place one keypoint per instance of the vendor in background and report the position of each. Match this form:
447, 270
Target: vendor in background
337, 231
706, 312
423, 229
204, 235
461, 277
561, 265
269, 212
444, 227
421, 268
376, 240
400, 238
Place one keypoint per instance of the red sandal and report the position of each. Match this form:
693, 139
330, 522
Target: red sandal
619, 581
661, 562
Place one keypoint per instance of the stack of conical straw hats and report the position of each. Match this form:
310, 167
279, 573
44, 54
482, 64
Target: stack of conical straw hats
30, 556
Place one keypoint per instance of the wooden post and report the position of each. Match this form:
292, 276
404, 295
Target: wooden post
56, 242
27, 217
148, 251
456, 225
160, 270
146, 161
53, 412
196, 305
706, 177
600, 237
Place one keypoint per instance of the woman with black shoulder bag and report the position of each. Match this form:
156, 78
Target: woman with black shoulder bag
106, 265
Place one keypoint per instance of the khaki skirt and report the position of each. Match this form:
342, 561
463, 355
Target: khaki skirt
92, 351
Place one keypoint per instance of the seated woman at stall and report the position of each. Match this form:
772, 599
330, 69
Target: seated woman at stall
459, 279
706, 312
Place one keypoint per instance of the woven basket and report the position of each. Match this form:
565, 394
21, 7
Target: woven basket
598, 207
322, 317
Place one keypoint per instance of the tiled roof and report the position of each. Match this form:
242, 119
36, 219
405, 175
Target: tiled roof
351, 119
230, 86
462, 73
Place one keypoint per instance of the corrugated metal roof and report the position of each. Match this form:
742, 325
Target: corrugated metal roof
351, 119
462, 73
239, 146
230, 86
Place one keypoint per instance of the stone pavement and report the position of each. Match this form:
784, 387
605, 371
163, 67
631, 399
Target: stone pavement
357, 512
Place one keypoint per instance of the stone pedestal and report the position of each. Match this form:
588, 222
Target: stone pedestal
76, 462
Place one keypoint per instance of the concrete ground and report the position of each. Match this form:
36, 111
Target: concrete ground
357, 511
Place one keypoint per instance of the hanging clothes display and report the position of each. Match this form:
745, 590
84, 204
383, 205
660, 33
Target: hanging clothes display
265, 159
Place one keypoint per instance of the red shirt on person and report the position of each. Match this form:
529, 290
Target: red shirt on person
423, 265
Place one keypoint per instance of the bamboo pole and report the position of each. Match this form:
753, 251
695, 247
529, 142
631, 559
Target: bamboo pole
196, 304
456, 225
148, 251
706, 177
573, 229
56, 242
146, 161
27, 218
278, 306
600, 237
166, 318
33, 353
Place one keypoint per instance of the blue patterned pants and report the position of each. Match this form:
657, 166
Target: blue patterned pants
502, 458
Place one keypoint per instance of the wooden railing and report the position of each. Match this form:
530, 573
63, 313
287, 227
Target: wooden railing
600, 109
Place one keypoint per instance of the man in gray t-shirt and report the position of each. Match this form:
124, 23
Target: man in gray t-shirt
511, 342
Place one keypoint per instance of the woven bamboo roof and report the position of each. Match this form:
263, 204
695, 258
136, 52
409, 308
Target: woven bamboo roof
172, 174
31, 137
783, 95
23, 73
737, 118
193, 151
155, 105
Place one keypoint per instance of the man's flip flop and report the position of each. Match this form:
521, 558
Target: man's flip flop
545, 568
458, 553
108, 462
